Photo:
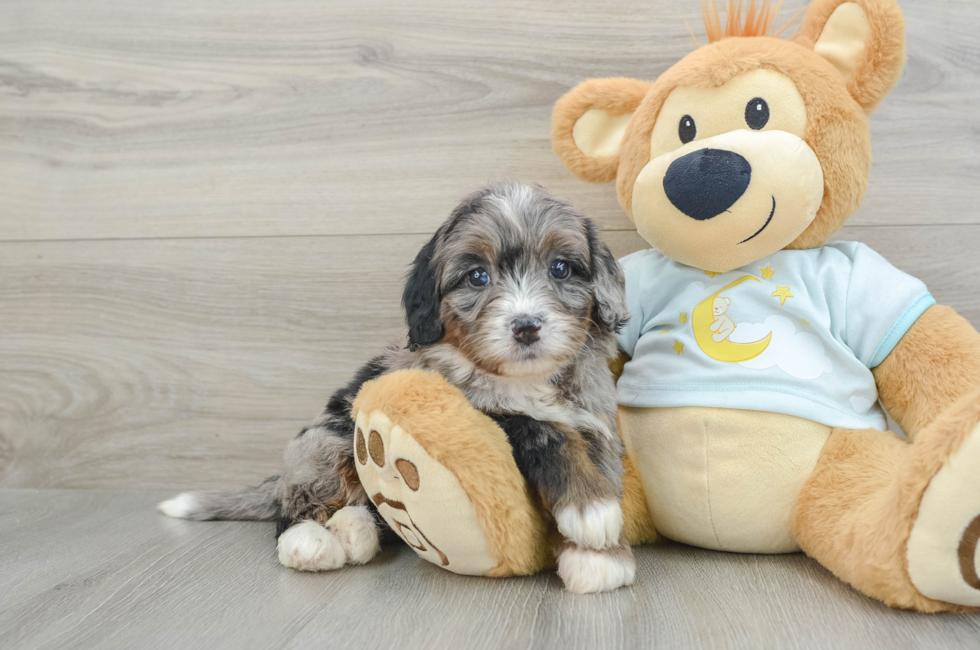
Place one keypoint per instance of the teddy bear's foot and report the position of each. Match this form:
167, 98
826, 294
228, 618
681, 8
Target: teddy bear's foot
943, 553
587, 571
419, 498
899, 520
442, 475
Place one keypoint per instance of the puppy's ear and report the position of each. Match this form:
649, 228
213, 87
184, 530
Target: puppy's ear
608, 283
422, 299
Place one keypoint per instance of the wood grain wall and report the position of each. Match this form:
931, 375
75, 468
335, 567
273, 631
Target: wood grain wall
206, 206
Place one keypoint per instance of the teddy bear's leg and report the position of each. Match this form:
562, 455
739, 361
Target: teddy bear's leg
442, 475
900, 521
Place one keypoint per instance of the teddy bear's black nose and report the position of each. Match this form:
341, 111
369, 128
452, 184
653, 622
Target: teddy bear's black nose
705, 183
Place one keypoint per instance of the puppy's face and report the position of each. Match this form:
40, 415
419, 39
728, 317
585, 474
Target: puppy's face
517, 280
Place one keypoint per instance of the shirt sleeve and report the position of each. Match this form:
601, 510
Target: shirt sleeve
630, 334
882, 304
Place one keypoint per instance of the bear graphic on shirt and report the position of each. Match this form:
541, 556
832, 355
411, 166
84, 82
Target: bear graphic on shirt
723, 326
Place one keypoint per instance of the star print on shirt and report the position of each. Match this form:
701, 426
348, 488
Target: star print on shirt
782, 293
683, 317
678, 347
767, 272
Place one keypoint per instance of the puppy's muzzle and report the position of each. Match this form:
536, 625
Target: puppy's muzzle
526, 329
706, 182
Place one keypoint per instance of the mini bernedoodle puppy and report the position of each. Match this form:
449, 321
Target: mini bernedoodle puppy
516, 301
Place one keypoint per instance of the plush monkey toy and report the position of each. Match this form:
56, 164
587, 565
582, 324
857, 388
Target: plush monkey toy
757, 353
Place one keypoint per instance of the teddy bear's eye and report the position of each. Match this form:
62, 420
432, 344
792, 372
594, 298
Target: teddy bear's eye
687, 129
757, 113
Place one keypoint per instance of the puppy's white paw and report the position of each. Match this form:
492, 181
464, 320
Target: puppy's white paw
355, 528
585, 571
308, 546
596, 525
180, 506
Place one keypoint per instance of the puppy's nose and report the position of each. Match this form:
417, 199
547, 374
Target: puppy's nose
705, 183
526, 329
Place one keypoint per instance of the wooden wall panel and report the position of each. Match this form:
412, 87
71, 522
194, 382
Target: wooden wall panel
191, 362
220, 118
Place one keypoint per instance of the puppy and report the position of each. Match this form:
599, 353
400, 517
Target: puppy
515, 301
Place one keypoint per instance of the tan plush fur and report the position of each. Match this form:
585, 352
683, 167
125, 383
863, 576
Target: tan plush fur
880, 65
637, 523
855, 512
618, 96
941, 348
837, 128
857, 509
476, 451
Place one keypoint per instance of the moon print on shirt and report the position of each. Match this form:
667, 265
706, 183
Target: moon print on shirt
702, 322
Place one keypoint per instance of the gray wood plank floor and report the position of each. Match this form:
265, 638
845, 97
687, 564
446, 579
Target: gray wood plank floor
101, 569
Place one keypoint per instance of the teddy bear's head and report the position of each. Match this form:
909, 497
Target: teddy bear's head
720, 305
749, 144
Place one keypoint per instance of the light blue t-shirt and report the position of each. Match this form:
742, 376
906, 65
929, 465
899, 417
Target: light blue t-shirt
795, 333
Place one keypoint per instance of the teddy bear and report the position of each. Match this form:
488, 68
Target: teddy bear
737, 165
723, 325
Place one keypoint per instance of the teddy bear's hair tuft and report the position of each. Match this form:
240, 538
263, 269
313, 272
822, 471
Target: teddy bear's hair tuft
758, 19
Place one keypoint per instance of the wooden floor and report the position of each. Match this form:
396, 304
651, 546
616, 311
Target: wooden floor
206, 208
99, 569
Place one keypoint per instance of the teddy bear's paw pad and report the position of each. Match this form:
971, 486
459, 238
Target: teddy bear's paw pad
595, 525
943, 551
419, 498
308, 546
587, 571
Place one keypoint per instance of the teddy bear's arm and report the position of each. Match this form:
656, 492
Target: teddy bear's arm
935, 363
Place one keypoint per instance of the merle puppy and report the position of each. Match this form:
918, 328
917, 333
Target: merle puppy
515, 301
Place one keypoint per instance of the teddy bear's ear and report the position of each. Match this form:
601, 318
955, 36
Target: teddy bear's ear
588, 125
863, 39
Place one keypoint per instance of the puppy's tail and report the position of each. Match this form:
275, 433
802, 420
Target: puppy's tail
247, 503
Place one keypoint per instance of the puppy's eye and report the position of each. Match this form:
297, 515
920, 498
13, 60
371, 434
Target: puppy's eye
687, 129
479, 278
560, 270
757, 113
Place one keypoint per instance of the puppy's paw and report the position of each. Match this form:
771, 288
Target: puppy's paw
586, 571
355, 528
596, 525
308, 546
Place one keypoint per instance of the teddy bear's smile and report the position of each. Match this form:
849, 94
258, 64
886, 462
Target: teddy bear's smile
765, 225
